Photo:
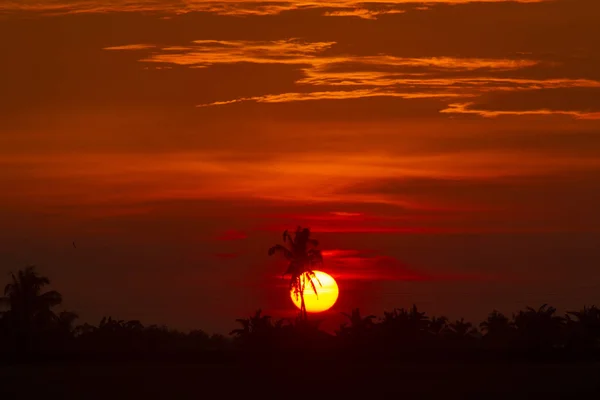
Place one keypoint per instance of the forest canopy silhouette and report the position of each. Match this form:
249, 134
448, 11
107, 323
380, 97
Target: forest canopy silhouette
31, 327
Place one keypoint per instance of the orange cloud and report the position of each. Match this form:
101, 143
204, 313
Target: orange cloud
211, 52
463, 108
333, 95
362, 13
301, 53
367, 76
363, 9
131, 47
130, 179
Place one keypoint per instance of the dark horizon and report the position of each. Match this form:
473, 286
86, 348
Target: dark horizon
468, 294
28, 281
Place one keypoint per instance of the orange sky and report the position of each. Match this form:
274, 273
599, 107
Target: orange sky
445, 153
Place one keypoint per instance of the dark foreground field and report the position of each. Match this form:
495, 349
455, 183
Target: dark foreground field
327, 380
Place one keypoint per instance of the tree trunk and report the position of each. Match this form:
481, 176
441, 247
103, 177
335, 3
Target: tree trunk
303, 307
302, 303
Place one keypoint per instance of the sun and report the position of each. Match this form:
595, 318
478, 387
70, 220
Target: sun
327, 293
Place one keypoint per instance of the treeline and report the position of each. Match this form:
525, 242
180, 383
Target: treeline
30, 328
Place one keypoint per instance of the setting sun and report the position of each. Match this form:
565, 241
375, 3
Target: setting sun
327, 293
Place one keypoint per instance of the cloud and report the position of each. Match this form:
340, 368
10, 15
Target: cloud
367, 265
368, 9
329, 74
332, 95
346, 264
212, 52
463, 108
581, 102
361, 13
131, 47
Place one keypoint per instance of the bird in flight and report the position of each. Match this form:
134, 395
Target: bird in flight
74, 245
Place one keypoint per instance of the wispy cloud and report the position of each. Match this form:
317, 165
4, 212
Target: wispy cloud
463, 108
213, 52
368, 9
367, 265
361, 13
329, 75
357, 265
131, 47
333, 95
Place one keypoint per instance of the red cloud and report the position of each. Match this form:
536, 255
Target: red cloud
354, 222
366, 265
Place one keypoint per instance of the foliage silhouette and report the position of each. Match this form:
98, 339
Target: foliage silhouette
584, 331
461, 331
29, 326
538, 329
302, 256
498, 330
30, 310
360, 327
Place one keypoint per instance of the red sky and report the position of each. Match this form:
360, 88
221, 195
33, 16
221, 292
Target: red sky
444, 153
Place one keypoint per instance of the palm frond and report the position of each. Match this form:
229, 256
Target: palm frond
279, 248
312, 284
51, 298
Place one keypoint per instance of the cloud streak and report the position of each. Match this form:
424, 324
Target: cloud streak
463, 108
368, 9
328, 74
361, 265
131, 47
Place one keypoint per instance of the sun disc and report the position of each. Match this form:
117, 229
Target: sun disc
327, 293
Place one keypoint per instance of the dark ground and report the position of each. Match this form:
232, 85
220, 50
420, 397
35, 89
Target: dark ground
327, 380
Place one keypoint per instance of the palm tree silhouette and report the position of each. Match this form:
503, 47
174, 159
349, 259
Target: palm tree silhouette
302, 256
65, 321
461, 330
584, 331
256, 324
30, 309
437, 325
495, 322
539, 329
359, 326
498, 329
407, 324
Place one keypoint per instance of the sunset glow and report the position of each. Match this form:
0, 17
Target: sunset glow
327, 293
434, 149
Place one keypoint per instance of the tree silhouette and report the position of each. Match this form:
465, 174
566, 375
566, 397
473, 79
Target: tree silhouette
461, 330
257, 324
538, 329
302, 256
65, 321
584, 331
360, 327
32, 327
29, 309
437, 325
497, 328
402, 325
